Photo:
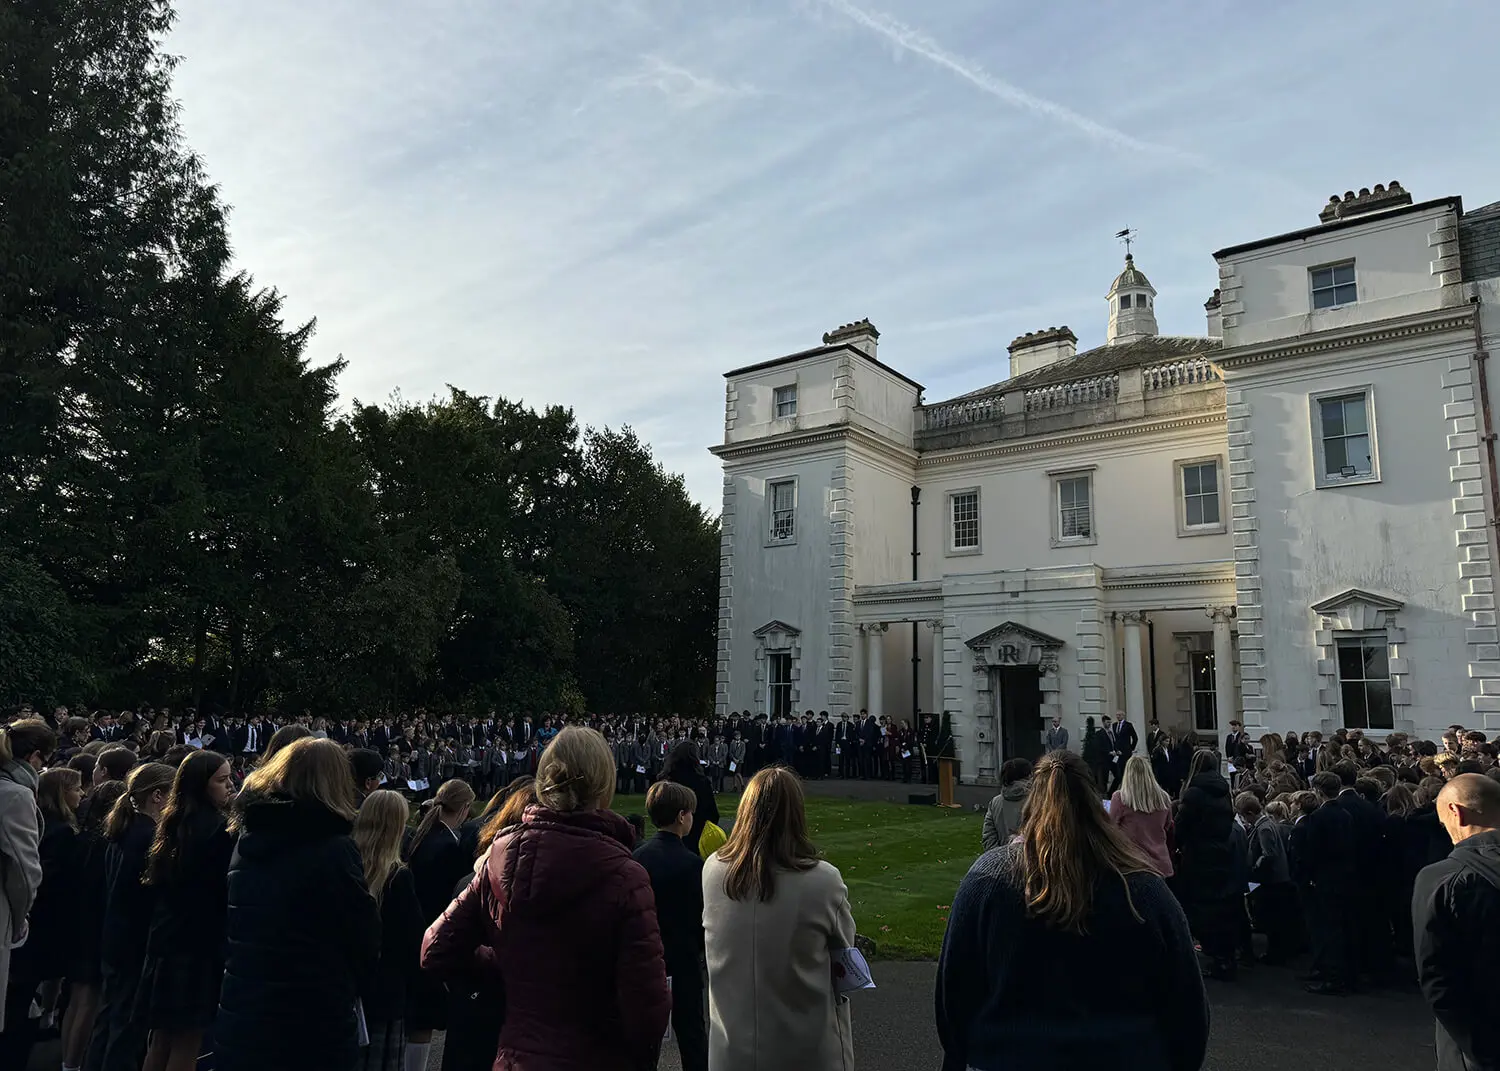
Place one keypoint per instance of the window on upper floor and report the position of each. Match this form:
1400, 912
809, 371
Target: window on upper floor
1365, 681
963, 520
1333, 286
1124, 301
1074, 518
1344, 438
784, 399
783, 498
1200, 497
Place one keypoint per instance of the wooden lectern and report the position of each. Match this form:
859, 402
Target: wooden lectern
946, 781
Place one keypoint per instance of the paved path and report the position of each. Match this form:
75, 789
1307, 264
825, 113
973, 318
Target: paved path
1262, 1023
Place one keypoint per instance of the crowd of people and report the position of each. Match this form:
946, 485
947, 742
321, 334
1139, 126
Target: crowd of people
293, 901
420, 750
287, 905
1343, 846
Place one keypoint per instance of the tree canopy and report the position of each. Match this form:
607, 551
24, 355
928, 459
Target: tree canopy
187, 517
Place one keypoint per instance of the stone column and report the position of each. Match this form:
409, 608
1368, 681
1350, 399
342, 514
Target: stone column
1135, 685
1224, 697
875, 668
937, 669
1111, 664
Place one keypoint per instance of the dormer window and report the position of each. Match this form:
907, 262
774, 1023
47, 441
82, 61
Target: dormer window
1124, 301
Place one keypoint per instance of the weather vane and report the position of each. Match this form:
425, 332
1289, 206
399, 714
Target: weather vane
1125, 236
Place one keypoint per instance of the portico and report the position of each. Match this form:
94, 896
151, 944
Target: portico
1005, 652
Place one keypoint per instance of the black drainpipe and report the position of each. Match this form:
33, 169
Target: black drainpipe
1481, 363
1151, 640
916, 659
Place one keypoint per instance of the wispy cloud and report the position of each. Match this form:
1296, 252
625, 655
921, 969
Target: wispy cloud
423, 180
683, 87
910, 39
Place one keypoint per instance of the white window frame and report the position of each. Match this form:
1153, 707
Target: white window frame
789, 686
954, 550
1321, 477
1312, 290
1377, 638
784, 396
1179, 495
1058, 478
772, 540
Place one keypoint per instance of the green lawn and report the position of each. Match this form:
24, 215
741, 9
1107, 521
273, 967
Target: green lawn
902, 864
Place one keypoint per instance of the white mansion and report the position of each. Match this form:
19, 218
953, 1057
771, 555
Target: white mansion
1289, 519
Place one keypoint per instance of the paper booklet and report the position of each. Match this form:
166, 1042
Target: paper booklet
850, 971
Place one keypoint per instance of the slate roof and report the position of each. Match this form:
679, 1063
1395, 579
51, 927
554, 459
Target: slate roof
1158, 349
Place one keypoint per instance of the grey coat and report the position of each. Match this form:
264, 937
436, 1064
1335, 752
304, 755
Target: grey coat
771, 1001
1057, 739
20, 860
1268, 859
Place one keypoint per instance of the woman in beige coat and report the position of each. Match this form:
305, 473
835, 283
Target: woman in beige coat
773, 913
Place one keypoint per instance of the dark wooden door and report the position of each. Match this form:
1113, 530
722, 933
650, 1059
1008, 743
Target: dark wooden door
1020, 713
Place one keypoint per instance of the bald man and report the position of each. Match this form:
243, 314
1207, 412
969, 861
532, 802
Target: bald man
1456, 921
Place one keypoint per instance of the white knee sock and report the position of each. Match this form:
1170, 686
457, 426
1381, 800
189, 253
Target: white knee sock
416, 1055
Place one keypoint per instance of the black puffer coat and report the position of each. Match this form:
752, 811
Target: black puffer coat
1205, 824
303, 934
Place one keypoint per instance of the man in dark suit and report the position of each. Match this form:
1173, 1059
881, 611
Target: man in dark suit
1125, 742
676, 875
1236, 744
824, 767
251, 738
1370, 944
846, 741
1308, 764
869, 746
1323, 865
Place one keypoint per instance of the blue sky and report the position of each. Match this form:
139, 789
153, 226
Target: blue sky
610, 203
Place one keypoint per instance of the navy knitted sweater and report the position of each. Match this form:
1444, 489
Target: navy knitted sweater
1013, 992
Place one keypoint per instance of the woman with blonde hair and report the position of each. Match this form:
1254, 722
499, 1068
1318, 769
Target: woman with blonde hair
435, 852
377, 831
774, 912
304, 931
119, 1041
1071, 901
581, 959
1142, 810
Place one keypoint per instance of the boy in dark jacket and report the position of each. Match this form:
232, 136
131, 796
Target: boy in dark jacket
677, 882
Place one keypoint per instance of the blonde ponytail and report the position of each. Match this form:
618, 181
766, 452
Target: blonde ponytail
142, 782
453, 797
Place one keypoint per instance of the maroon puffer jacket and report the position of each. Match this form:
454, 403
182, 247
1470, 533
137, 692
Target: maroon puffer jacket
566, 917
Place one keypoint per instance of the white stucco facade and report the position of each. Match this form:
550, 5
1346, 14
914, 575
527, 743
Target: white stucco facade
1150, 525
